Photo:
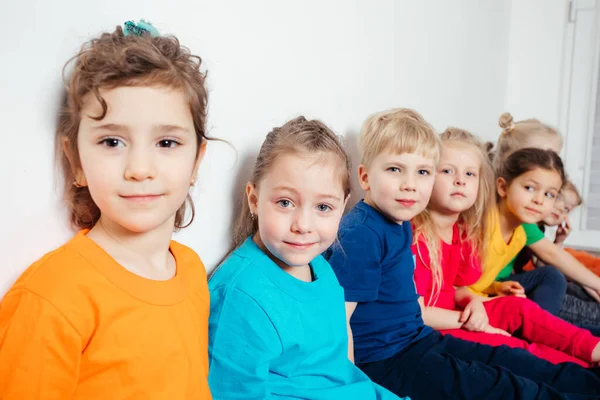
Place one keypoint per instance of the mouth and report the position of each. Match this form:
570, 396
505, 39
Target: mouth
406, 202
299, 245
141, 198
458, 194
555, 216
532, 211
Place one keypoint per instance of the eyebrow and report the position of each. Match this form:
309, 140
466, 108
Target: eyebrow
403, 165
162, 128
297, 192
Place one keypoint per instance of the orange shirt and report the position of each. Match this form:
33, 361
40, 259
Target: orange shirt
77, 325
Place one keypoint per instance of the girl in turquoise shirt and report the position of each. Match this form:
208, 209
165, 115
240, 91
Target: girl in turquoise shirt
277, 326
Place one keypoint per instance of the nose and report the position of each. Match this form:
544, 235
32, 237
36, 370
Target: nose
409, 184
538, 198
460, 180
302, 221
140, 164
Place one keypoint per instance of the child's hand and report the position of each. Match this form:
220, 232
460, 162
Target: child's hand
474, 317
592, 293
496, 331
510, 288
562, 232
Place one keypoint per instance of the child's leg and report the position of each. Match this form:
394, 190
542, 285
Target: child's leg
516, 314
545, 285
439, 367
539, 350
590, 261
580, 312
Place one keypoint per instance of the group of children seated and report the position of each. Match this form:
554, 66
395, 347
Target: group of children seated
438, 284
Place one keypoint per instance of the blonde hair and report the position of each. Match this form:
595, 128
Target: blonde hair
568, 185
113, 60
297, 136
472, 223
515, 136
400, 130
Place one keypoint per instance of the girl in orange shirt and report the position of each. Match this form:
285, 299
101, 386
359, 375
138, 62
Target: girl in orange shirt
120, 311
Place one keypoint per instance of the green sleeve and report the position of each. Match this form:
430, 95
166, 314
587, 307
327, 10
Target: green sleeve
506, 271
534, 234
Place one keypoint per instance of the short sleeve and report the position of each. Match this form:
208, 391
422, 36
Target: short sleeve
243, 342
533, 233
356, 261
40, 350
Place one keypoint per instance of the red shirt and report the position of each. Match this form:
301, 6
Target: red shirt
460, 268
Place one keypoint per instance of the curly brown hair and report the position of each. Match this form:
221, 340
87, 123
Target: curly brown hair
115, 60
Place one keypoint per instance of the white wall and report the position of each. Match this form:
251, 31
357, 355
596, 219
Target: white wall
268, 61
535, 60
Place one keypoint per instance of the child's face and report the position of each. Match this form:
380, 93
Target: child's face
299, 204
457, 179
398, 185
139, 160
531, 196
565, 202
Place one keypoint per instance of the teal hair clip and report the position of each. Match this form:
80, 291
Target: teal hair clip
139, 29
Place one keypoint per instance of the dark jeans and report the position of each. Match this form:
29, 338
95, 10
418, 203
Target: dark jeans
444, 367
544, 285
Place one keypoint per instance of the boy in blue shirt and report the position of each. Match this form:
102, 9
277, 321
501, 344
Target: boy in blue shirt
387, 337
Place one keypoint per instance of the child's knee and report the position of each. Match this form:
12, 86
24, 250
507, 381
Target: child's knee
554, 277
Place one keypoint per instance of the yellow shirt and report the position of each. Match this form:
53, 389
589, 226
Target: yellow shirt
497, 254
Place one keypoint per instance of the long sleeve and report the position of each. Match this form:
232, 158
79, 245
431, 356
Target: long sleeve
40, 351
243, 341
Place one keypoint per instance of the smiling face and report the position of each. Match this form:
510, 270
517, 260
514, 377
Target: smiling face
457, 179
299, 203
139, 160
531, 196
398, 185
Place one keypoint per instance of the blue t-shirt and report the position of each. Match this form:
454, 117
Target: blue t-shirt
375, 266
274, 336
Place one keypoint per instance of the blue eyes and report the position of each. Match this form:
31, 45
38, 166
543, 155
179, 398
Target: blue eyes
285, 203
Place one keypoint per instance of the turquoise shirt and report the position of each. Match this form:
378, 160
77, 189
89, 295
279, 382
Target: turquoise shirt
274, 336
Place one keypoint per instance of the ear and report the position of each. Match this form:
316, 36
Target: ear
199, 158
252, 196
501, 187
77, 170
363, 177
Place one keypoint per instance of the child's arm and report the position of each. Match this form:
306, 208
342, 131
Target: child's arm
350, 307
566, 263
242, 346
440, 318
40, 350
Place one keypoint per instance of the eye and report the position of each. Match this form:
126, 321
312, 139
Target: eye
324, 208
423, 172
168, 143
112, 142
528, 188
446, 171
284, 203
550, 195
394, 169
471, 174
